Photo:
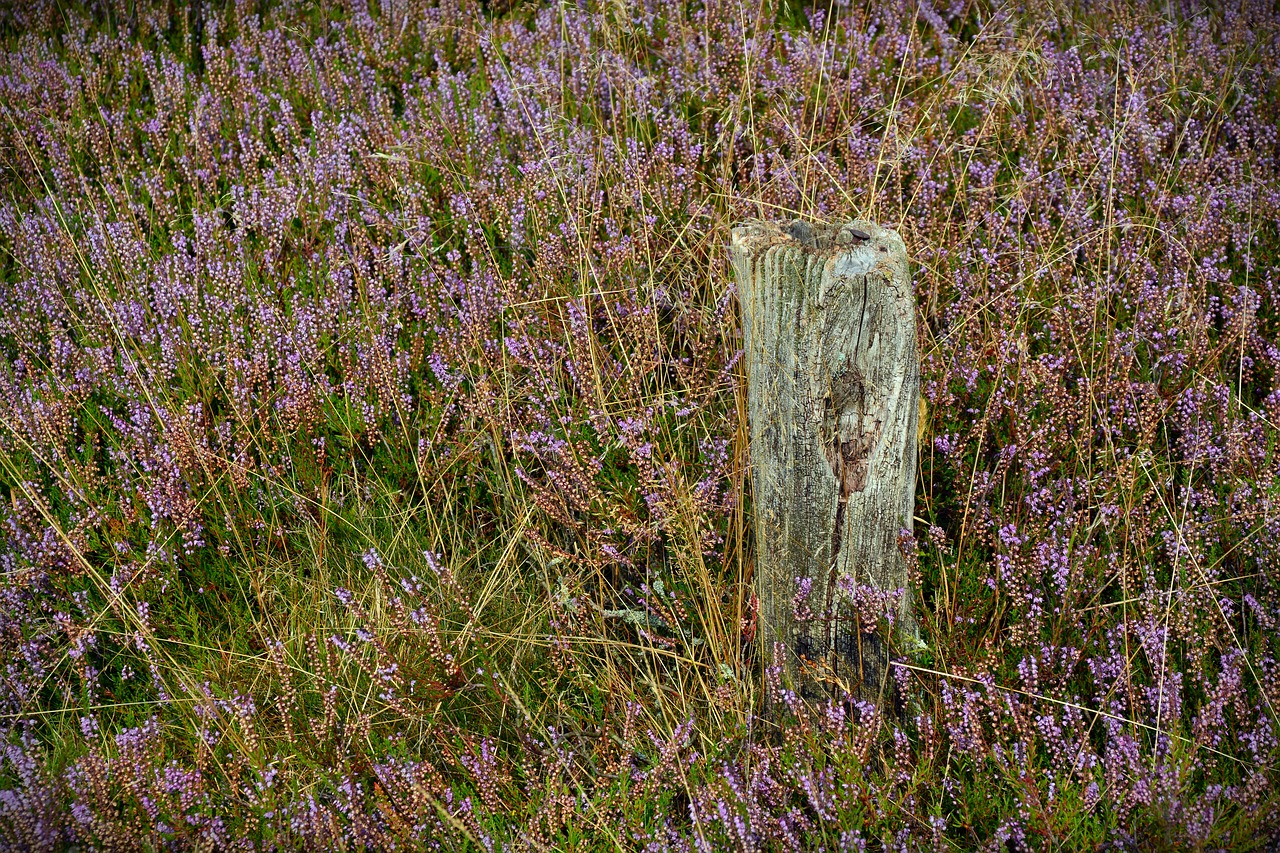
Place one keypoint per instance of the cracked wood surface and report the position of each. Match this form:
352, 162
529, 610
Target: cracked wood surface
833, 387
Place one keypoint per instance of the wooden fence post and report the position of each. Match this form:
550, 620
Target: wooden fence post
833, 378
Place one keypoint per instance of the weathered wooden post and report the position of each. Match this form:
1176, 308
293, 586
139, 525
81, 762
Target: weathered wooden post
833, 387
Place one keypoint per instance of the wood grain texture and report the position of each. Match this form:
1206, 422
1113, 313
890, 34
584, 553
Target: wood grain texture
833, 381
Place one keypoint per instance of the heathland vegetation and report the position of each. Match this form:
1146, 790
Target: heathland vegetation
372, 439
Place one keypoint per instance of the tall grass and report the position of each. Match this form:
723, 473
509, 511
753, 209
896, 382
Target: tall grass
373, 446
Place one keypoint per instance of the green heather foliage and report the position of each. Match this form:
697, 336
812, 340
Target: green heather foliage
372, 449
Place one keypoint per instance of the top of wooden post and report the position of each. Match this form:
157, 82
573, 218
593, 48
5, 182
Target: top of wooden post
860, 246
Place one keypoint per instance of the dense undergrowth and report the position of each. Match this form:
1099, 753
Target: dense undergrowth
373, 456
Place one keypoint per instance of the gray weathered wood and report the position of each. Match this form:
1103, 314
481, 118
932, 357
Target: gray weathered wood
833, 398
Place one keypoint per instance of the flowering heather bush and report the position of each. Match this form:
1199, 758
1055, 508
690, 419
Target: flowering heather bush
372, 446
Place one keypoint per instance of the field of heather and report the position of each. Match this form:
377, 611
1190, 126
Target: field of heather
373, 446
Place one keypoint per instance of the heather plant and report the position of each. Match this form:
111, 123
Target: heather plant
373, 447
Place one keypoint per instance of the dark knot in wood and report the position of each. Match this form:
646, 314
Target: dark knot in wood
851, 426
